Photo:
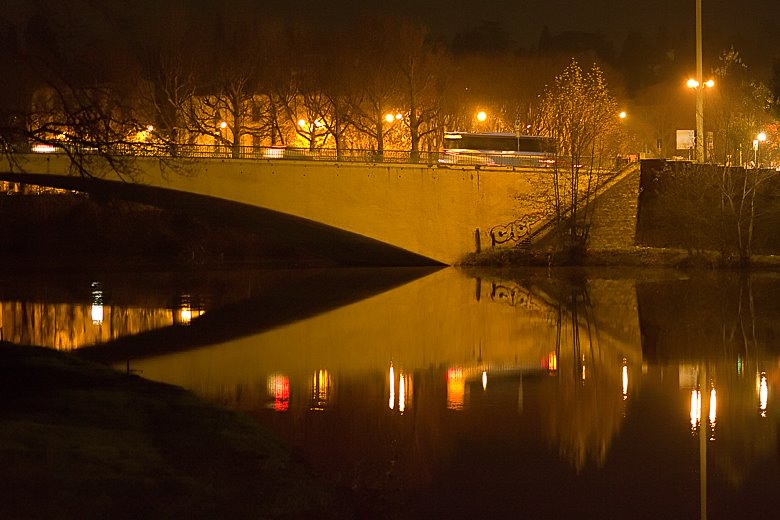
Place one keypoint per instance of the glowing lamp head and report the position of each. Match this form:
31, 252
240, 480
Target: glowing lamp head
622, 115
389, 118
481, 116
761, 137
709, 83
223, 125
692, 83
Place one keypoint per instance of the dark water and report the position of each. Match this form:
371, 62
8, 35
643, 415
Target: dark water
458, 394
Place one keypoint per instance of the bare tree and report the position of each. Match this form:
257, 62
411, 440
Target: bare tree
420, 65
579, 112
375, 80
741, 108
745, 194
83, 108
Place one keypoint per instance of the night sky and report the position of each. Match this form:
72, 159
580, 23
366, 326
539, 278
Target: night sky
752, 27
748, 24
752, 22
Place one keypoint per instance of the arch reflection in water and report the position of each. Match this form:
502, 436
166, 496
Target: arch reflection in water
510, 354
506, 341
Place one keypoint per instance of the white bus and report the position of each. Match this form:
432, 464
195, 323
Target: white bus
498, 148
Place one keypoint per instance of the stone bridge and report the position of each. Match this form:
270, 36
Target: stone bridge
391, 214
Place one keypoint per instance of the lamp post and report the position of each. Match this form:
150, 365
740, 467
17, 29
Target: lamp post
699, 92
699, 86
760, 138
478, 123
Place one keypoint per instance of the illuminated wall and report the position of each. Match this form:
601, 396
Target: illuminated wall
431, 211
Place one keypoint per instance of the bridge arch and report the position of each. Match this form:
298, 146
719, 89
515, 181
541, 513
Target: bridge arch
423, 214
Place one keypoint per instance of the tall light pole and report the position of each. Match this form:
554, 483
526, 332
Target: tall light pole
760, 138
699, 90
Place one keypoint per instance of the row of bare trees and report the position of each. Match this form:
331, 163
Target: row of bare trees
245, 80
278, 80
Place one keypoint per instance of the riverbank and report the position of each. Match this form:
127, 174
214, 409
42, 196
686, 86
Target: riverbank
637, 256
79, 440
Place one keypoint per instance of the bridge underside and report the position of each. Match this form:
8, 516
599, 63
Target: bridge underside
283, 234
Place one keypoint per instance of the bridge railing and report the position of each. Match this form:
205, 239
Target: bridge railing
210, 151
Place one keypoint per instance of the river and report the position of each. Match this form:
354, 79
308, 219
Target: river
462, 393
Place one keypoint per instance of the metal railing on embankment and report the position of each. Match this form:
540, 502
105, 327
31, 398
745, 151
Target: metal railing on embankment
205, 151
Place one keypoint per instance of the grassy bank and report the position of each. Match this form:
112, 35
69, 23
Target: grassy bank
630, 257
79, 440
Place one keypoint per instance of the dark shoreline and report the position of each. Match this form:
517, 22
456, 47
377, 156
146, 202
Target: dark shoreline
80, 440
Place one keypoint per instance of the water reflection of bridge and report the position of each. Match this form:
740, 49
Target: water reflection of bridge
458, 348
449, 322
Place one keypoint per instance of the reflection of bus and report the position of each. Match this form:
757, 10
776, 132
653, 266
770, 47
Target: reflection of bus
504, 149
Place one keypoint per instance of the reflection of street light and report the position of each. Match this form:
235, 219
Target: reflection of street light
763, 394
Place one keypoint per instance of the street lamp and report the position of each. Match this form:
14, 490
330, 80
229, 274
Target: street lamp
481, 116
699, 86
760, 138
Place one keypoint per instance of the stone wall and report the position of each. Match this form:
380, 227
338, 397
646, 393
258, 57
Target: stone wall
613, 225
702, 207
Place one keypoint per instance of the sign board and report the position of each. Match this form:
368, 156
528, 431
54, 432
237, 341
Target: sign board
686, 139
